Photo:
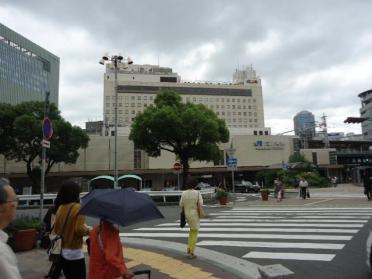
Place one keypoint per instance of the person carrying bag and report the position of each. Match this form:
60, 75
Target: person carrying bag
191, 201
56, 241
200, 208
72, 232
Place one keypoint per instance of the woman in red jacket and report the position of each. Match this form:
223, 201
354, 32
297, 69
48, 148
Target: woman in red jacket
106, 253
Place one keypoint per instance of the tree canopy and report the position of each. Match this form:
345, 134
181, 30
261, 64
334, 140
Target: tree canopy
297, 157
191, 131
21, 136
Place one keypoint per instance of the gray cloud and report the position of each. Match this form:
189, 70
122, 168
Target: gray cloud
312, 55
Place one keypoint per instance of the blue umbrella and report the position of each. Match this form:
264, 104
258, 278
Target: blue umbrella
123, 206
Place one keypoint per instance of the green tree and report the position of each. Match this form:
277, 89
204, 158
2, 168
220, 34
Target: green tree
191, 131
297, 157
7, 116
23, 141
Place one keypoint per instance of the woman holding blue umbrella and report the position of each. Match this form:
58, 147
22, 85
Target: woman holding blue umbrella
106, 253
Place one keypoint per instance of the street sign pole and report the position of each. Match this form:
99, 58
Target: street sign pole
232, 162
43, 157
177, 167
178, 180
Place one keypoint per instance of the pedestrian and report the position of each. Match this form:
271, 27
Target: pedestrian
8, 207
303, 187
71, 226
367, 184
106, 259
190, 200
334, 181
55, 269
278, 188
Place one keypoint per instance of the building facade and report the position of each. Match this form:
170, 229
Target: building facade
239, 103
366, 112
253, 153
27, 71
304, 124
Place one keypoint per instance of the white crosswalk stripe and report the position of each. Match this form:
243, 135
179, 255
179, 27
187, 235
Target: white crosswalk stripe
282, 233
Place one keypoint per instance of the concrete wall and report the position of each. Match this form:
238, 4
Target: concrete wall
99, 155
322, 155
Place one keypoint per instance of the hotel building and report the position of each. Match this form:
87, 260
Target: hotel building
239, 103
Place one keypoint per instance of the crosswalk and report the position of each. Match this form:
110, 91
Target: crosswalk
281, 233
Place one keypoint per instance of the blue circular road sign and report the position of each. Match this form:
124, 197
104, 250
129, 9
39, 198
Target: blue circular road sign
47, 128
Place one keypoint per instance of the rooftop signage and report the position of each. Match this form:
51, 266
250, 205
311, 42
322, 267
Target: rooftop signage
268, 145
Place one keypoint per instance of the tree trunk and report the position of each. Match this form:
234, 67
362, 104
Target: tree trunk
35, 175
185, 172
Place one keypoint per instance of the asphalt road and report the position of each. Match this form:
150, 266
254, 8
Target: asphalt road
349, 262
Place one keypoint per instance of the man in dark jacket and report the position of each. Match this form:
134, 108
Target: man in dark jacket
367, 183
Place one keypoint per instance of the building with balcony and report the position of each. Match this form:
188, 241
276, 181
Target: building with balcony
27, 71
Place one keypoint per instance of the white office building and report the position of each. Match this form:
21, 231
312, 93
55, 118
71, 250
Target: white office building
239, 102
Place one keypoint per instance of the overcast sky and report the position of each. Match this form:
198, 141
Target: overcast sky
311, 55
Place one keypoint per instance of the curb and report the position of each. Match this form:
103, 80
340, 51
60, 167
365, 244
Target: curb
238, 267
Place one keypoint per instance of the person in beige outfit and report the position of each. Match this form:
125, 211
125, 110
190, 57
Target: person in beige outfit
190, 200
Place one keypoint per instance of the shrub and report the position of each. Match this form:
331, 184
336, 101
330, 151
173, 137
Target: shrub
221, 192
26, 222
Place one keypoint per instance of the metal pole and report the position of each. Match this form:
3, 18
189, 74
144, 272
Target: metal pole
43, 158
232, 180
178, 180
116, 124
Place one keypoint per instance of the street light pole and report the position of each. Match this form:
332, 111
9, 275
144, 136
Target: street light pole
116, 124
115, 60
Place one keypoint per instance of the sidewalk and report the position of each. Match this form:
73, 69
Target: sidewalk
167, 259
342, 195
34, 264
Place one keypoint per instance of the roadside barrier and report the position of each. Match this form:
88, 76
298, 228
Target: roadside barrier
32, 200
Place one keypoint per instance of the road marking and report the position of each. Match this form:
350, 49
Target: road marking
301, 208
238, 235
284, 220
251, 217
272, 225
294, 216
312, 203
327, 246
290, 256
230, 213
254, 230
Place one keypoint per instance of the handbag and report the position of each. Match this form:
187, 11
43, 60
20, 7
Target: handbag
200, 209
55, 248
182, 218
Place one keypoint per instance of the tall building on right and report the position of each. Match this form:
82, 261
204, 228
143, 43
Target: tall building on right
304, 124
366, 112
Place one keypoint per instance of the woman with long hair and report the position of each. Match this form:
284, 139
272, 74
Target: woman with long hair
71, 226
191, 199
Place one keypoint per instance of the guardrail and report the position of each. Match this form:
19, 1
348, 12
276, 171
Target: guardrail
29, 200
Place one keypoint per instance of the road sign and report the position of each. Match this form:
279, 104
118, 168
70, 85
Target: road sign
232, 162
47, 128
177, 166
45, 143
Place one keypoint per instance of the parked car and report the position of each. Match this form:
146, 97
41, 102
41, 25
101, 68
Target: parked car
247, 187
203, 186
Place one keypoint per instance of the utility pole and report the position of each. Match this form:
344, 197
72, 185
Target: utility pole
47, 133
325, 131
